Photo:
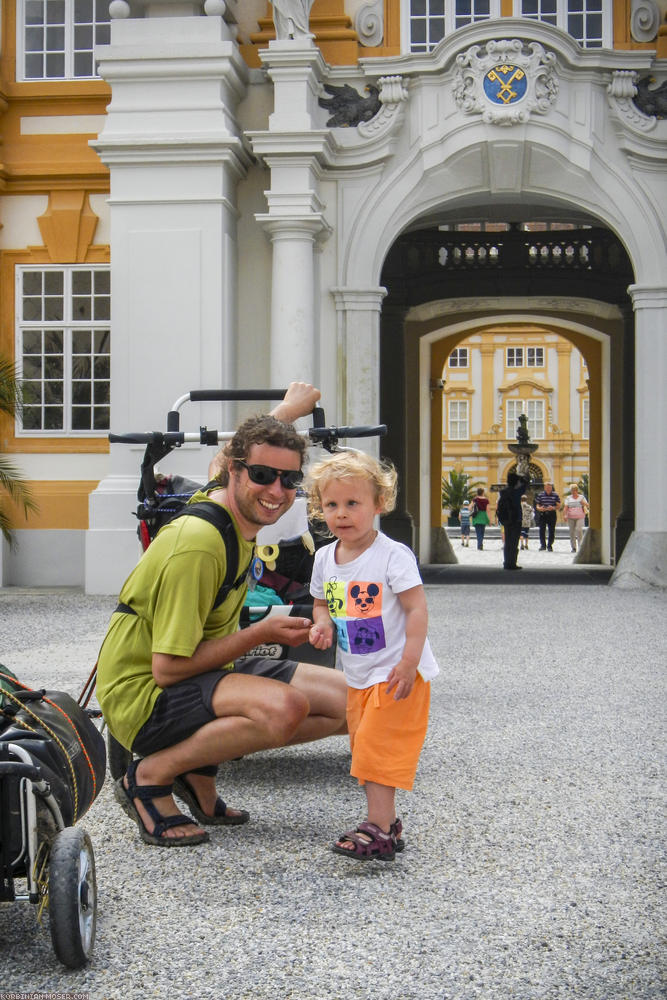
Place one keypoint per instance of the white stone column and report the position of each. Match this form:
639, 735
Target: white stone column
292, 299
295, 223
175, 155
359, 345
644, 559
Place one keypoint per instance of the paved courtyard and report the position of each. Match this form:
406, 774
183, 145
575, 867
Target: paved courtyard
535, 859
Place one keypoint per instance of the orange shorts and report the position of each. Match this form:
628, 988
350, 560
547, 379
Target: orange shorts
386, 736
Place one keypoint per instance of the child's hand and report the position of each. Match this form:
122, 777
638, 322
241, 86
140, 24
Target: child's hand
321, 636
402, 677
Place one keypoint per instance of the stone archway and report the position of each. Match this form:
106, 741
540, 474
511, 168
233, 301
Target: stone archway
418, 342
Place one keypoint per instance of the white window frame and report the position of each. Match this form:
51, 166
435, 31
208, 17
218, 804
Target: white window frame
69, 41
536, 352
518, 352
562, 12
69, 326
461, 423
461, 356
562, 19
450, 21
586, 419
535, 412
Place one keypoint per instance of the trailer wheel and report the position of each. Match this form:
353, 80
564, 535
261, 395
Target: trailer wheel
72, 897
119, 758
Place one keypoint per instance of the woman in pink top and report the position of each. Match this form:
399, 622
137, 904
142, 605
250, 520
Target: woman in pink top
575, 508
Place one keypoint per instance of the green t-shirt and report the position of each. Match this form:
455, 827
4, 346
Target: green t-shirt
172, 588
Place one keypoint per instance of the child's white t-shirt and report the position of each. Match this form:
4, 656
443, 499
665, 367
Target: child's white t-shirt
362, 597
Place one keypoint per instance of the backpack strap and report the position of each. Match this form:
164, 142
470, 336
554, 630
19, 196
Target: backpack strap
216, 515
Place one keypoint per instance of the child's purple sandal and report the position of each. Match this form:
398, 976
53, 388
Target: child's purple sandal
381, 845
396, 829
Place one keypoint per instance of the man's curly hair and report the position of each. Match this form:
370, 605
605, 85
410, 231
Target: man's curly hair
262, 429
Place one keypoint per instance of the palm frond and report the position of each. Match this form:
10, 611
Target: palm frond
10, 389
12, 485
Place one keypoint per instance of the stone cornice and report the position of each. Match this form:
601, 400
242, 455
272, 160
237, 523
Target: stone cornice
570, 53
119, 149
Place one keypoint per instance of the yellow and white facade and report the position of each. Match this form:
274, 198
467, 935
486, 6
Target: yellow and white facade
493, 377
177, 213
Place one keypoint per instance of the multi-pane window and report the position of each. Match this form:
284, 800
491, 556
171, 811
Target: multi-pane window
63, 349
458, 419
585, 419
585, 20
57, 38
535, 357
429, 21
515, 357
534, 410
459, 358
469, 11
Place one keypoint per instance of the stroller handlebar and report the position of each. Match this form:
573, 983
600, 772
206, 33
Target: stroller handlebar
320, 433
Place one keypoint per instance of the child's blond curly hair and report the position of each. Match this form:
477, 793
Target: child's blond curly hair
352, 465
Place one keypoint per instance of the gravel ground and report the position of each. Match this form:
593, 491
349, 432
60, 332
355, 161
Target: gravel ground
535, 852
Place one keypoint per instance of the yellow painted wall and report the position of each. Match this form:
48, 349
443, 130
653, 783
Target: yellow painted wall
62, 505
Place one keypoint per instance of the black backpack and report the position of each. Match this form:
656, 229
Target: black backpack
216, 515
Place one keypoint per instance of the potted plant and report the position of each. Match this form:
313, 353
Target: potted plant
456, 488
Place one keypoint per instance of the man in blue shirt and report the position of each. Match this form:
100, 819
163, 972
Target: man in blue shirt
548, 504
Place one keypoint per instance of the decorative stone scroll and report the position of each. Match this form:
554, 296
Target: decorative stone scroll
644, 20
621, 90
393, 93
369, 23
506, 81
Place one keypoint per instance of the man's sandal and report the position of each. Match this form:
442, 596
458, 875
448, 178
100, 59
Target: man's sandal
220, 817
146, 794
369, 842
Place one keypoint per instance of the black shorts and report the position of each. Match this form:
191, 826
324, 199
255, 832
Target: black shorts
183, 708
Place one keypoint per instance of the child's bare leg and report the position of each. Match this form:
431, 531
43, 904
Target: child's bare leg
381, 800
381, 804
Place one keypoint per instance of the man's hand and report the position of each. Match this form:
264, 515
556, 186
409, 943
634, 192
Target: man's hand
299, 401
282, 629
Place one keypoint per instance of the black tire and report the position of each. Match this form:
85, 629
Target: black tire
118, 757
72, 897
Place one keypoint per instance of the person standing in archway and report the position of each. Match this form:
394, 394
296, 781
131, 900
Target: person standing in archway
548, 503
576, 508
480, 516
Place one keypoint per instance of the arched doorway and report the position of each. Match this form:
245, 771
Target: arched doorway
443, 285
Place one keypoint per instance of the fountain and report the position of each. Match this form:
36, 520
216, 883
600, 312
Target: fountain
524, 449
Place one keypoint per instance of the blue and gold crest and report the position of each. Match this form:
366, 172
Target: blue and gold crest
505, 84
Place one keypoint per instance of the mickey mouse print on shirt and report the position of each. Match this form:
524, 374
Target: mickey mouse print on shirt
356, 610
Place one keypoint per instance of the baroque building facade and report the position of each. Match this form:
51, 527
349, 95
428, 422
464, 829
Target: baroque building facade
187, 201
492, 378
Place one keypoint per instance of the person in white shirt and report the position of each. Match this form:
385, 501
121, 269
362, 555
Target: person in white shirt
575, 509
367, 589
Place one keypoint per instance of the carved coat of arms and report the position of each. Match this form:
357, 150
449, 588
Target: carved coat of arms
506, 81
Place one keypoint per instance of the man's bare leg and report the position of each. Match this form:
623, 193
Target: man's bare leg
254, 713
326, 692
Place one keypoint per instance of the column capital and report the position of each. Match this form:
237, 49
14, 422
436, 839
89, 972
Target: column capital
312, 226
648, 296
358, 299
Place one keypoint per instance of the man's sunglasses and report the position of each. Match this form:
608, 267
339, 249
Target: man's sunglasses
264, 475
